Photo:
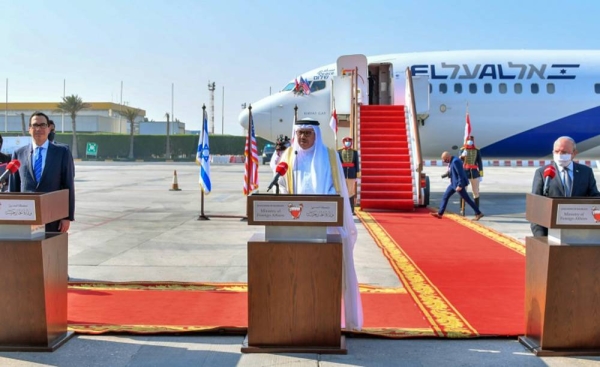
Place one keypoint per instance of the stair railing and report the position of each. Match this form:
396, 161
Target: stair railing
414, 139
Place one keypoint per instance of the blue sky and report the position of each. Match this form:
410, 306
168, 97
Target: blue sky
248, 47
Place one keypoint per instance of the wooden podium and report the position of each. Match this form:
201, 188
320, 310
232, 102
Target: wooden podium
295, 275
33, 272
562, 290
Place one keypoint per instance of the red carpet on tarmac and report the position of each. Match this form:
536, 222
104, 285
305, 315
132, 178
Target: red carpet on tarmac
460, 279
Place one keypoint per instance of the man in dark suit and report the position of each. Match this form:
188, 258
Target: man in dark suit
4, 159
458, 183
45, 167
572, 179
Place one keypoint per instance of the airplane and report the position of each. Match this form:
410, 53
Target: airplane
519, 101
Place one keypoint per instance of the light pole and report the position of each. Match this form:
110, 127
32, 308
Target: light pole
211, 89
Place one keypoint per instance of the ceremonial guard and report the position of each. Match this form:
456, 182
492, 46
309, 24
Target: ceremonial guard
349, 158
473, 166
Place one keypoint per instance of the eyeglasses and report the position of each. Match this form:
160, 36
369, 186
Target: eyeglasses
306, 133
39, 126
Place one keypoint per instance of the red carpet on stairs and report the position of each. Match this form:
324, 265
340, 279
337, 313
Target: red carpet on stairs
386, 176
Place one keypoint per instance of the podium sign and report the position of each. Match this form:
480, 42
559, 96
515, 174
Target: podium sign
561, 281
308, 210
295, 275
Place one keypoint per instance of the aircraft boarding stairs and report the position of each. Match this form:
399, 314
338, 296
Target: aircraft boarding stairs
387, 175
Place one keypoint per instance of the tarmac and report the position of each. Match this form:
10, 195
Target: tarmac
130, 226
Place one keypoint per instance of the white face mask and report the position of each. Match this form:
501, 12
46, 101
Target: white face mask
470, 142
562, 160
347, 144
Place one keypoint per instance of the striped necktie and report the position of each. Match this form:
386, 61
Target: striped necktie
37, 165
567, 181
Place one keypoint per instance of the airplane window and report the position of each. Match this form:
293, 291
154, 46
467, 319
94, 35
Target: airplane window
550, 88
502, 87
443, 88
597, 88
487, 88
457, 88
535, 88
288, 87
518, 88
473, 88
317, 85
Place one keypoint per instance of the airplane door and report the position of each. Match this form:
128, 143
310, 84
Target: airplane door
421, 94
385, 84
349, 63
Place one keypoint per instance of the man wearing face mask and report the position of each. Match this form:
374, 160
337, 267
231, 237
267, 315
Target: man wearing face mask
572, 179
349, 158
473, 166
458, 183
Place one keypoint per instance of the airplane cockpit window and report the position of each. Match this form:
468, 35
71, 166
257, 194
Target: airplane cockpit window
597, 88
550, 88
518, 88
487, 88
473, 88
502, 88
318, 85
289, 87
443, 88
457, 88
535, 88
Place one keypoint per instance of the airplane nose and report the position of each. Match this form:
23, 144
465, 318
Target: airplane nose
243, 119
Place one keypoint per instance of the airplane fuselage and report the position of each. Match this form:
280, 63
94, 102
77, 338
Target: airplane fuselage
519, 102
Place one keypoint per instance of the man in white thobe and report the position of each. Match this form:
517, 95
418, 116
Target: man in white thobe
315, 169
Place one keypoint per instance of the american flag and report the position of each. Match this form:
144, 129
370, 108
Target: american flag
305, 85
251, 166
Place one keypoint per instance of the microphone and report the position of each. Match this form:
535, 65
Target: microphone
549, 173
280, 170
11, 168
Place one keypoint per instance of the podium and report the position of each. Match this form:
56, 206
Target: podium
562, 286
33, 272
295, 275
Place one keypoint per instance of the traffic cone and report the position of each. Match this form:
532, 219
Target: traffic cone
174, 185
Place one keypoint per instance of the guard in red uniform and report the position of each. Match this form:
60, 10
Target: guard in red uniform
349, 158
473, 166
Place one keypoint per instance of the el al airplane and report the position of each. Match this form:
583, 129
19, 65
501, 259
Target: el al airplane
519, 101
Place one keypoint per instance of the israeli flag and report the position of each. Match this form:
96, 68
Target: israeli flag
203, 156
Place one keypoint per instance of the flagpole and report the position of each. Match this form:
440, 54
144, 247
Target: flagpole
248, 150
202, 215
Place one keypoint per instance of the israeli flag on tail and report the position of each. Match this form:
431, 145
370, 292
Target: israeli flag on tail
203, 156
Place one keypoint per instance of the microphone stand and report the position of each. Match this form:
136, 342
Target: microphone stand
295, 173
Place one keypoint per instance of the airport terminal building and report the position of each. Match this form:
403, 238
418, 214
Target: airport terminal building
101, 117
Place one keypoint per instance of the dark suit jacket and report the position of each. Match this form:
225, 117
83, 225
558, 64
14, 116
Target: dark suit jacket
458, 177
57, 175
584, 184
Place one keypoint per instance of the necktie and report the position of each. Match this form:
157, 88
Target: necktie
37, 165
567, 181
